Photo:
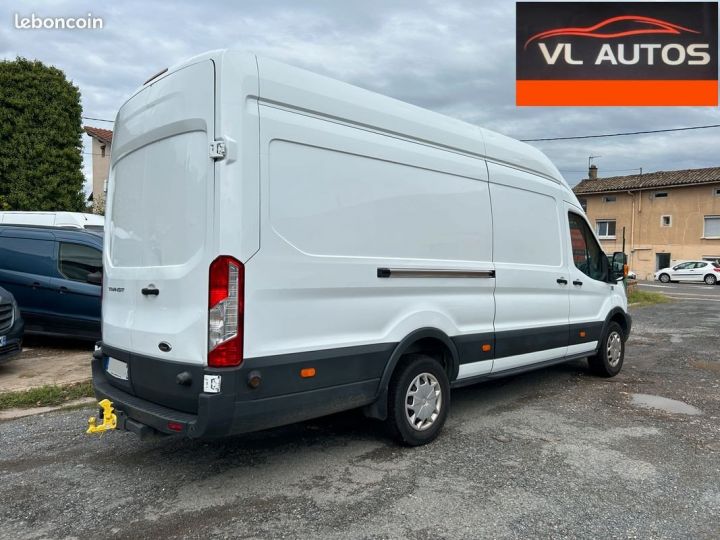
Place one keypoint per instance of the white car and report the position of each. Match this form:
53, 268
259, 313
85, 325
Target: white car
706, 271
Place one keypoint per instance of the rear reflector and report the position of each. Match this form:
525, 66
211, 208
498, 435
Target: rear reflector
225, 312
175, 426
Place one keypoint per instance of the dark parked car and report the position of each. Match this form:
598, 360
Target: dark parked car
55, 276
11, 327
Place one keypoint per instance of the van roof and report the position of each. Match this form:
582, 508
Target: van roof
287, 86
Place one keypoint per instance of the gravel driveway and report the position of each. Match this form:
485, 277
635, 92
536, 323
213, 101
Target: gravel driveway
554, 453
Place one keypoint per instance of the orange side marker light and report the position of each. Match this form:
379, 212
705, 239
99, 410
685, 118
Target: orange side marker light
486, 347
307, 372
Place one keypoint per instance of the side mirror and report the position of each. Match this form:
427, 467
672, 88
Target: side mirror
618, 266
95, 278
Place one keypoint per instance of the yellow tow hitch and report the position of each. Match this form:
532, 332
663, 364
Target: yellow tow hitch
109, 419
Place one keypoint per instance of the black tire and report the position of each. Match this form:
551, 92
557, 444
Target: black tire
664, 278
606, 363
412, 367
710, 279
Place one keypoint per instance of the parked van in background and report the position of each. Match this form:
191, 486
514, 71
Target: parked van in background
91, 222
280, 246
55, 276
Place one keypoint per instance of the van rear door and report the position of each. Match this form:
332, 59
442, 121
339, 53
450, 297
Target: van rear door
159, 218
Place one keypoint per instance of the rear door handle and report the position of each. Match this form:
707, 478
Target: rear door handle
63, 289
561, 281
577, 282
150, 291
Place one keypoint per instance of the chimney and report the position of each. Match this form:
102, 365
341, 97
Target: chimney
592, 172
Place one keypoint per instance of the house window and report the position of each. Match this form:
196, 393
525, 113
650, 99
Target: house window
102, 151
716, 191
712, 227
666, 221
610, 198
583, 204
660, 194
605, 228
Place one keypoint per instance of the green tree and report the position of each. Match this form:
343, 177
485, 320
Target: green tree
40, 138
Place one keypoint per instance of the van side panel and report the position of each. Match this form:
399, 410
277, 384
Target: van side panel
27, 266
340, 202
531, 317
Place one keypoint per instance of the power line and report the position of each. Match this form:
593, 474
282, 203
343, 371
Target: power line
604, 171
98, 119
621, 134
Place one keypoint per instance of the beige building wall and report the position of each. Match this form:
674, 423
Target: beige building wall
100, 167
646, 236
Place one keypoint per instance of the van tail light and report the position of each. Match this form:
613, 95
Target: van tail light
226, 304
716, 269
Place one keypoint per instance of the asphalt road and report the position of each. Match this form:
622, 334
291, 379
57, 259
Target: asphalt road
686, 291
556, 453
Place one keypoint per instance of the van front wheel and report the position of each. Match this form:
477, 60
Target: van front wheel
418, 400
609, 359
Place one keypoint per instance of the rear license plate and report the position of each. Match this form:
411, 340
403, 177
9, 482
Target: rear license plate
117, 368
3, 341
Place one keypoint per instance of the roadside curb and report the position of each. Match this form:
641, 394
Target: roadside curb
12, 414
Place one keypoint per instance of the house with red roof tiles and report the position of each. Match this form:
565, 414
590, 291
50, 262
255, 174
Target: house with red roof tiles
101, 143
666, 216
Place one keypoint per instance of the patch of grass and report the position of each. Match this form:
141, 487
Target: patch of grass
45, 396
646, 298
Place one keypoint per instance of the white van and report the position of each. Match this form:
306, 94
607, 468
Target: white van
77, 220
281, 246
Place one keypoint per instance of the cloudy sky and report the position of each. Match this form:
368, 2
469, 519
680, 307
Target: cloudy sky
454, 57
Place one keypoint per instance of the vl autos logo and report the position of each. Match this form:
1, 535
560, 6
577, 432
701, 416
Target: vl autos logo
624, 53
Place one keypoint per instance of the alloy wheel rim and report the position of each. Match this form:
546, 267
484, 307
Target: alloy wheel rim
614, 349
423, 401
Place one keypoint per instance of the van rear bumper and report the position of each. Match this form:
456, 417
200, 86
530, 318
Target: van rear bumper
223, 414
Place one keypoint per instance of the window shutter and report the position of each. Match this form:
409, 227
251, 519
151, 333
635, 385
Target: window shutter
712, 226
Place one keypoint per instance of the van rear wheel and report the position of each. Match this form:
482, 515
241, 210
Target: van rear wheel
609, 359
418, 400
